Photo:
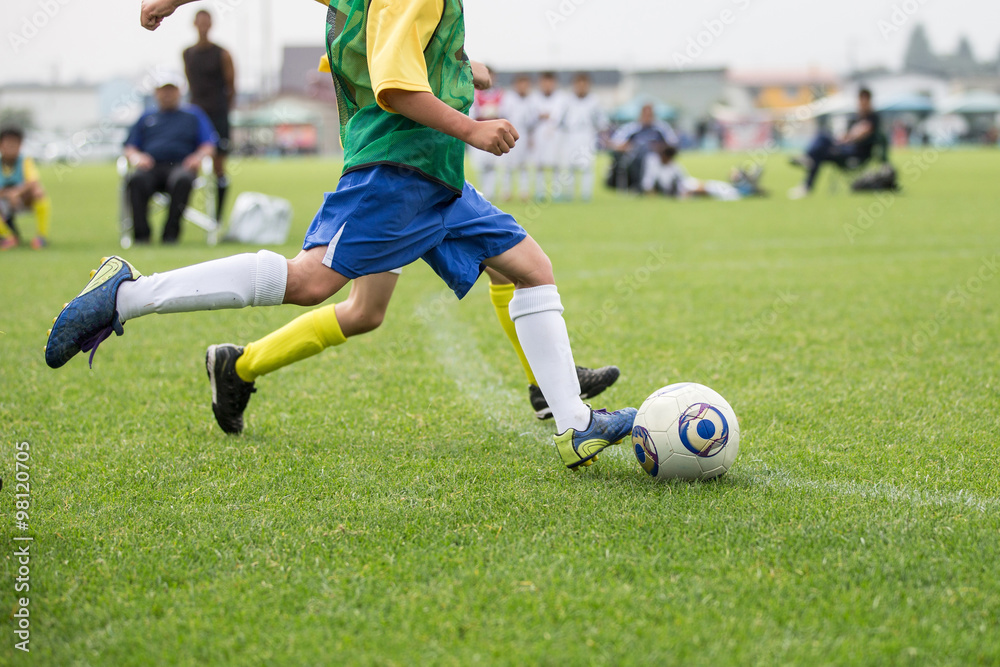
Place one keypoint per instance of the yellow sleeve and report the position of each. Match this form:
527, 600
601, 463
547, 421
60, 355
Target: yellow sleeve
398, 31
30, 171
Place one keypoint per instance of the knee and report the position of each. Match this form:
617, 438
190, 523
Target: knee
540, 273
305, 294
368, 320
306, 284
183, 180
138, 183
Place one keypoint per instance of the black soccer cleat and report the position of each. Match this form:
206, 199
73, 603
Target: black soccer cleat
592, 382
230, 393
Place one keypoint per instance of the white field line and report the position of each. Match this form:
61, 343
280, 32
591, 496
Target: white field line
476, 378
883, 491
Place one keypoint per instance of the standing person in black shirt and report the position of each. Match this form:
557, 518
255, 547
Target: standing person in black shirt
855, 146
212, 80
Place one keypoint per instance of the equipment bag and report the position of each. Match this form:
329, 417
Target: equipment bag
259, 219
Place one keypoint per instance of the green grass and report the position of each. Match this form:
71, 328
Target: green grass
392, 501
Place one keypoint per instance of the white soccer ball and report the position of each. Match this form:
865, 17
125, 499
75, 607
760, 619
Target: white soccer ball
686, 431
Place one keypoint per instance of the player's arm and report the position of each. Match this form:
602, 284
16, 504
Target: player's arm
132, 150
193, 161
138, 158
860, 130
397, 34
153, 12
229, 76
492, 136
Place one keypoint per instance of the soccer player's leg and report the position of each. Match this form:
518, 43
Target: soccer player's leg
536, 310
34, 197
233, 370
480, 234
329, 259
593, 381
117, 292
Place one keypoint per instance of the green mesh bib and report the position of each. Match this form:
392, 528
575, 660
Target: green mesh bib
370, 134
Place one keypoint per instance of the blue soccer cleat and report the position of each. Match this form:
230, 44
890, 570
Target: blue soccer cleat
86, 321
580, 448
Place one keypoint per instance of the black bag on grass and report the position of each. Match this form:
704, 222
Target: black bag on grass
878, 179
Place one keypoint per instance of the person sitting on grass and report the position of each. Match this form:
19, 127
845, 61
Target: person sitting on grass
20, 189
166, 146
632, 143
854, 147
661, 174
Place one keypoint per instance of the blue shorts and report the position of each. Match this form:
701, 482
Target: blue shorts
382, 217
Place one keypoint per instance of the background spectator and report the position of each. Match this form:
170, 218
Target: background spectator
20, 188
212, 81
583, 120
166, 147
855, 146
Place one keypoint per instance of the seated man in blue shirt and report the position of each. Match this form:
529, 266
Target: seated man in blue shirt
166, 147
632, 142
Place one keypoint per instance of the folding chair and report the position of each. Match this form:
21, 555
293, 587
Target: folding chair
202, 200
854, 167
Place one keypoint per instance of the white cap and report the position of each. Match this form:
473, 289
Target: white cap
170, 78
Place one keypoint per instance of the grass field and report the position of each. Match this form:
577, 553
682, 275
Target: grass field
392, 501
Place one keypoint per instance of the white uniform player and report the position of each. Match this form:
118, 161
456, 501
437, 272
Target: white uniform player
661, 173
583, 120
550, 105
517, 107
486, 106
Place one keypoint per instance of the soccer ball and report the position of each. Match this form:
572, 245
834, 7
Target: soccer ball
686, 431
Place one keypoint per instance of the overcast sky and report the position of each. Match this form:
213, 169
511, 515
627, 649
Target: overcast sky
68, 40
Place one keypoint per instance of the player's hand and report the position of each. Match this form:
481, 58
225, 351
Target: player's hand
142, 161
481, 78
494, 136
192, 162
154, 11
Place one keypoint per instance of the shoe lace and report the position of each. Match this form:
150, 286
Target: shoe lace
237, 399
90, 344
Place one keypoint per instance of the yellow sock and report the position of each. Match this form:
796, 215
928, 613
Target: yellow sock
43, 216
5, 231
301, 338
501, 295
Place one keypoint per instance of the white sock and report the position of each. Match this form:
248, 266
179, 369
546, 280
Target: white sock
231, 282
537, 315
522, 187
541, 185
489, 182
587, 183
